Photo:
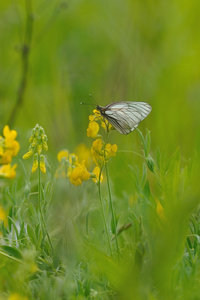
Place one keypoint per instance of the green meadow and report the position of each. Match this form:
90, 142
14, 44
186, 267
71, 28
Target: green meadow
87, 212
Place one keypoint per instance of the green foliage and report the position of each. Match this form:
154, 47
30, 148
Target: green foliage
53, 55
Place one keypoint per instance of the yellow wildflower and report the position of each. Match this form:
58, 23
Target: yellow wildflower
93, 129
10, 143
79, 174
42, 164
16, 296
106, 125
96, 173
84, 153
61, 154
28, 154
97, 152
110, 150
35, 163
160, 210
8, 171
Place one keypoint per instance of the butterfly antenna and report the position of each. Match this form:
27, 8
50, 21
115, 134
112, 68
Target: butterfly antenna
93, 99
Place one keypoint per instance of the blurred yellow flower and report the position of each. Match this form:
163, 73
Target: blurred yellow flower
106, 125
96, 173
16, 296
84, 153
42, 164
93, 129
79, 174
35, 163
110, 150
101, 153
28, 154
10, 143
9, 148
160, 210
61, 154
97, 152
8, 171
3, 216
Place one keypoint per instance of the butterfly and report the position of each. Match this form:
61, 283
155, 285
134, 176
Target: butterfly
125, 116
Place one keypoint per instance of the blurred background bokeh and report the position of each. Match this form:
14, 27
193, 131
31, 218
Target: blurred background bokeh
53, 54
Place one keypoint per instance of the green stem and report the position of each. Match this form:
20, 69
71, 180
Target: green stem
104, 218
112, 211
25, 53
39, 204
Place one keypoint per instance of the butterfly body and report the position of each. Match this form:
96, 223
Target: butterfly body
125, 116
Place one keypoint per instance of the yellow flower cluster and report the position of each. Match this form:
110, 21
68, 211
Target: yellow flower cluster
38, 142
101, 151
71, 167
93, 127
75, 166
9, 148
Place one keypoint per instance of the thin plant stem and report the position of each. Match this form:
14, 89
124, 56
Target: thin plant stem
25, 53
112, 211
39, 204
102, 209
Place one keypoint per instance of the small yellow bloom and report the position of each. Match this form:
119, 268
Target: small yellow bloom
84, 153
6, 157
61, 154
42, 164
28, 154
35, 163
110, 150
16, 296
3, 216
96, 172
106, 125
93, 129
7, 171
79, 174
160, 210
10, 143
97, 152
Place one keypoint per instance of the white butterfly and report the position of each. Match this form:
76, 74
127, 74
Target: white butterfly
125, 116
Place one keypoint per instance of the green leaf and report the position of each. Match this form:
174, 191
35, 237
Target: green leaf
31, 234
14, 226
12, 251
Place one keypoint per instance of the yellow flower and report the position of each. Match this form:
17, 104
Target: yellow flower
79, 174
3, 216
38, 141
16, 296
110, 150
106, 125
7, 171
61, 154
42, 164
28, 154
84, 153
160, 210
35, 163
10, 143
6, 157
93, 129
97, 152
96, 173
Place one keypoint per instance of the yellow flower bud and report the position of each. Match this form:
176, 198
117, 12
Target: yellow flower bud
35, 163
42, 164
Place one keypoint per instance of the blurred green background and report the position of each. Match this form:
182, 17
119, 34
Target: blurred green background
115, 50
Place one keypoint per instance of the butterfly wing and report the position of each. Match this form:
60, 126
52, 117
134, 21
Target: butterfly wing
125, 116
